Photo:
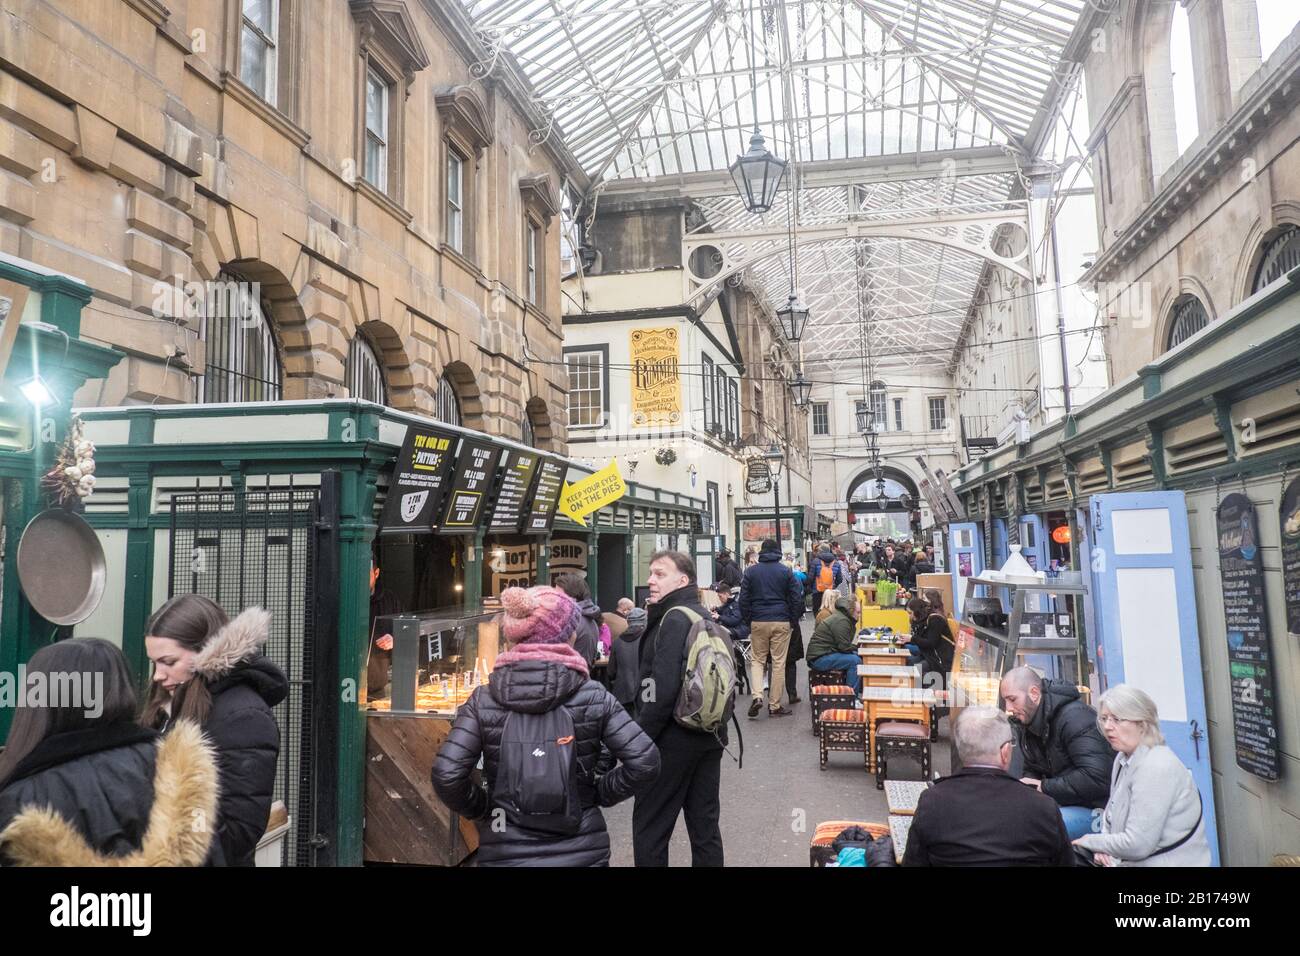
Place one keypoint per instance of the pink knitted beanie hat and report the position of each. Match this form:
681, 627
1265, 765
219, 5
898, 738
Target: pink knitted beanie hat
540, 615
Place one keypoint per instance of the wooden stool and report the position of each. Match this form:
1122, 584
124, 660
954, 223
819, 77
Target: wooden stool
844, 730
825, 697
816, 677
819, 849
901, 739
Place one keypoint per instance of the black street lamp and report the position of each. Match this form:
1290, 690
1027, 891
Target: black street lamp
793, 317
774, 460
757, 175
801, 390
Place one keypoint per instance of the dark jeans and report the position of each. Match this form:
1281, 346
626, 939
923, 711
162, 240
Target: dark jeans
689, 780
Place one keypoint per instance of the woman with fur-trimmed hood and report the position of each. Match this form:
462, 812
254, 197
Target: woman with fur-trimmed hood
210, 669
82, 784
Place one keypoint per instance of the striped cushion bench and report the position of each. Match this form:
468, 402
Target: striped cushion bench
828, 697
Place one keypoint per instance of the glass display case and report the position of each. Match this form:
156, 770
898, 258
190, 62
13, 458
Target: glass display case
436, 661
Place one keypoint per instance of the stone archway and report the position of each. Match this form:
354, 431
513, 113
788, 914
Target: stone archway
383, 338
538, 415
461, 378
862, 487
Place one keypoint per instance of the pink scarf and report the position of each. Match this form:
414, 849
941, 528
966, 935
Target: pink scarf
555, 653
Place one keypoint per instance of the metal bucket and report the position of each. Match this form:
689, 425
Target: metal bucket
61, 566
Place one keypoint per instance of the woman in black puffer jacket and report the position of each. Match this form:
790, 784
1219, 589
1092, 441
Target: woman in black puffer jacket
542, 672
82, 784
210, 669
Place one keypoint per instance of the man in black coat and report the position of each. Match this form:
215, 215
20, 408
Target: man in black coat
729, 572
770, 598
691, 773
1064, 754
982, 816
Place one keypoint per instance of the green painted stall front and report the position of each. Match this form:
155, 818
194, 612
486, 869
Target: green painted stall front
342, 451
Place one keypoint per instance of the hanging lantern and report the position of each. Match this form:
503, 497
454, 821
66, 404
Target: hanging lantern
793, 317
801, 390
1061, 534
864, 420
757, 175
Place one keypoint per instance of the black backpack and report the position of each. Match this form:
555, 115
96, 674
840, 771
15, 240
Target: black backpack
537, 773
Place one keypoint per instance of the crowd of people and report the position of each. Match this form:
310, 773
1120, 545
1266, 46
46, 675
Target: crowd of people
1046, 780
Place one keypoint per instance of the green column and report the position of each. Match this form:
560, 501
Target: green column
543, 560
474, 571
356, 532
592, 563
139, 599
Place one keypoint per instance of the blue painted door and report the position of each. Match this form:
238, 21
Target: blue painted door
1033, 541
1145, 602
965, 558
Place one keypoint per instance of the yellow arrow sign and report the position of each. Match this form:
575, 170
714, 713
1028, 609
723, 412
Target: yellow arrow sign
592, 493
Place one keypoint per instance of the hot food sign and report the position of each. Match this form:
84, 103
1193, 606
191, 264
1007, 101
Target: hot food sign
656, 378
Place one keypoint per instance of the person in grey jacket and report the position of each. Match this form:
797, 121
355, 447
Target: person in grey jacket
625, 658
1154, 816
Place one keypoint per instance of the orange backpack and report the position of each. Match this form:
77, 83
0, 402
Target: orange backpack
826, 577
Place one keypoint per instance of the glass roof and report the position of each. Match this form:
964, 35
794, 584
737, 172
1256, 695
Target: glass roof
647, 92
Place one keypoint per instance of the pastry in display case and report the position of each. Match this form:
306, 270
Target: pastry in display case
438, 659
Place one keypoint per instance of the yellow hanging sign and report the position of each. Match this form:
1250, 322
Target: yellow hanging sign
592, 493
656, 378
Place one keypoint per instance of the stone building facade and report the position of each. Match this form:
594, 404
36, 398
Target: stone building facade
1185, 237
365, 164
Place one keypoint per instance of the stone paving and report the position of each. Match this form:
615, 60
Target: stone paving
771, 807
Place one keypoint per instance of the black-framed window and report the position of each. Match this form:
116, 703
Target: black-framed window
447, 403
242, 362
706, 364
938, 413
1188, 318
365, 373
588, 385
715, 505
1281, 255
821, 415
733, 391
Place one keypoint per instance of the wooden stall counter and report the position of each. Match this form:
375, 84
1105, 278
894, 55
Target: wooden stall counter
405, 820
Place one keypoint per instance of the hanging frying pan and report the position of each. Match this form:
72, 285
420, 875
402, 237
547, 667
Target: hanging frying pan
61, 566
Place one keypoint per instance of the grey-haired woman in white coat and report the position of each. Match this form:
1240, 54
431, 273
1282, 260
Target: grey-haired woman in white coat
1155, 816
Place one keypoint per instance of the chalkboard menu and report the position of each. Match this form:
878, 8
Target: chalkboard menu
516, 483
1291, 555
1241, 568
546, 495
419, 484
471, 484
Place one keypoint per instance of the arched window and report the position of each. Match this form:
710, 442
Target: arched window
529, 436
365, 374
242, 363
448, 404
1170, 85
1188, 318
1281, 255
879, 413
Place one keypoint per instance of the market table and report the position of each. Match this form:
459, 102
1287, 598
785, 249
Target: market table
878, 655
883, 675
895, 703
